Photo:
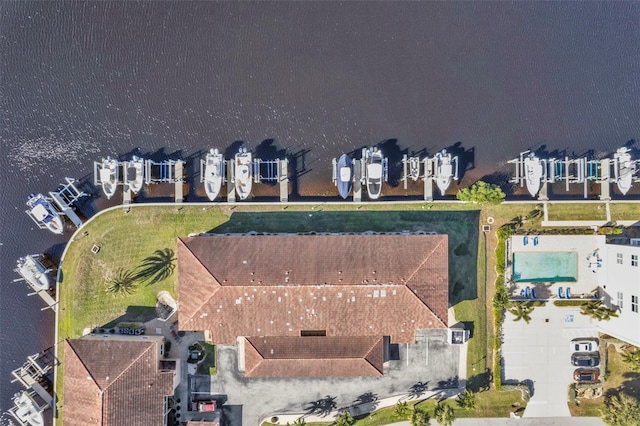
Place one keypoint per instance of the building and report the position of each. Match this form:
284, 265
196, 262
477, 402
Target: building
312, 305
116, 380
621, 287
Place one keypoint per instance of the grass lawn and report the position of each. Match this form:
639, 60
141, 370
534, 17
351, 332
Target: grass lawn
625, 211
618, 380
577, 211
208, 364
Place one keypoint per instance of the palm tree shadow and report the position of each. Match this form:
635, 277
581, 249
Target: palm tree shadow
157, 267
321, 407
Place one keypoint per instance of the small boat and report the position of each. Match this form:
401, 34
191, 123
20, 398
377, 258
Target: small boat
533, 173
443, 170
134, 174
43, 213
414, 168
33, 272
213, 173
25, 410
345, 175
625, 169
109, 176
243, 162
373, 171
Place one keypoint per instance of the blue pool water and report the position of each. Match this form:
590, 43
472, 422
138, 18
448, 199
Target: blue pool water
545, 267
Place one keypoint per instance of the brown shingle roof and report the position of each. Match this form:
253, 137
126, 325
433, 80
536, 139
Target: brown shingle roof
278, 285
313, 356
114, 382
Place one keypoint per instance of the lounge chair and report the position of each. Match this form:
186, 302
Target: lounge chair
533, 293
522, 293
535, 241
525, 240
568, 293
527, 292
560, 295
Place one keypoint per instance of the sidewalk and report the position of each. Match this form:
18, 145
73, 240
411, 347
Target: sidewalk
365, 408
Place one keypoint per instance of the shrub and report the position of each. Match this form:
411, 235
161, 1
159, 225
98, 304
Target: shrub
482, 193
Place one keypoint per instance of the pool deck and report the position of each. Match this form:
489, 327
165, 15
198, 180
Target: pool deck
584, 245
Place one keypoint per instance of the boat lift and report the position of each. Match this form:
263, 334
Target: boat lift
167, 171
19, 416
36, 372
65, 197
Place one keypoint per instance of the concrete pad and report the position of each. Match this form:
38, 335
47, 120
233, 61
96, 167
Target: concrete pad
539, 352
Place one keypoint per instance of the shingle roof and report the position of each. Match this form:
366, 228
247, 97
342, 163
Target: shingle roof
113, 382
278, 285
331, 356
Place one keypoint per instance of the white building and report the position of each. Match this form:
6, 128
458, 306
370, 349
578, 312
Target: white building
620, 281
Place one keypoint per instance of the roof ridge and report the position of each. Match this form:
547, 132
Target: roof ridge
204, 301
427, 306
246, 340
366, 357
425, 260
83, 364
150, 343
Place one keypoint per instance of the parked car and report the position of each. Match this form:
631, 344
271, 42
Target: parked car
585, 359
586, 375
584, 345
204, 406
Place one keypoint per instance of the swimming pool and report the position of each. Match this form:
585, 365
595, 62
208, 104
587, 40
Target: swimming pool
545, 266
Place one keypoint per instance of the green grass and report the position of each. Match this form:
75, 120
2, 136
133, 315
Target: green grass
208, 365
577, 211
572, 303
625, 211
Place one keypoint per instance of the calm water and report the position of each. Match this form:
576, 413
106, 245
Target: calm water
82, 80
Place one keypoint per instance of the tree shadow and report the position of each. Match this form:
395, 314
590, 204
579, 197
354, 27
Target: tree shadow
502, 180
480, 382
450, 383
417, 390
134, 314
630, 386
298, 167
157, 267
367, 398
321, 407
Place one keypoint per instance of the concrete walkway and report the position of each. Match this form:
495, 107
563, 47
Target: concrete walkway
369, 407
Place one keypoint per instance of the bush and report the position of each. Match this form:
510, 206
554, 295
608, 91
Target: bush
482, 193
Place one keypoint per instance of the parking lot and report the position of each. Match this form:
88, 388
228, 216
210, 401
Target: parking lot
431, 363
539, 352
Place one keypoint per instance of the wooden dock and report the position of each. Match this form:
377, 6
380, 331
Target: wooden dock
428, 179
65, 209
179, 181
605, 186
283, 178
231, 181
126, 199
357, 183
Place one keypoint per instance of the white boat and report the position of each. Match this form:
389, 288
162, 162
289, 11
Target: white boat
373, 171
33, 272
444, 171
43, 213
213, 173
134, 174
414, 168
625, 169
243, 162
109, 176
533, 173
25, 410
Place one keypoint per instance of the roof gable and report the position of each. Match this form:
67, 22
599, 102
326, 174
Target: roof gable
313, 356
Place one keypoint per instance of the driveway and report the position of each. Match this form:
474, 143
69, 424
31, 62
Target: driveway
414, 370
539, 352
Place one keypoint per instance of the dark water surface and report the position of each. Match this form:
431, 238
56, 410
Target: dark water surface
82, 80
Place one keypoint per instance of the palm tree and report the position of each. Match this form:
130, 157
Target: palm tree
621, 410
596, 310
444, 414
632, 357
522, 311
344, 419
300, 421
158, 266
467, 399
123, 283
401, 409
419, 418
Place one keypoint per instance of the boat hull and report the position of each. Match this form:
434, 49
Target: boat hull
33, 273
373, 173
345, 175
443, 172
109, 177
135, 169
43, 213
243, 176
213, 174
533, 175
625, 169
